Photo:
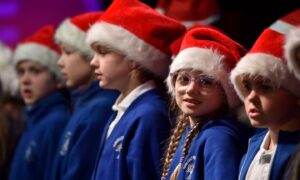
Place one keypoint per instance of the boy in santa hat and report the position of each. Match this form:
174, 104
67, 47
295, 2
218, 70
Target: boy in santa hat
132, 54
78, 147
47, 108
270, 93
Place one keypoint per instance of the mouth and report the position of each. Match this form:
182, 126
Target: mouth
192, 101
27, 93
98, 75
253, 113
64, 75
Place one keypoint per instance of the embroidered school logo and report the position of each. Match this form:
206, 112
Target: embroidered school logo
189, 167
29, 151
65, 146
118, 145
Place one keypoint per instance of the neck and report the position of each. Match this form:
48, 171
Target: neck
273, 139
128, 87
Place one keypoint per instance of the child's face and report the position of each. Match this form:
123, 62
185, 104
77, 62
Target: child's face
196, 94
268, 106
112, 69
35, 81
76, 70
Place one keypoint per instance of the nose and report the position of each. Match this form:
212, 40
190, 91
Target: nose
25, 78
60, 62
252, 96
94, 62
191, 87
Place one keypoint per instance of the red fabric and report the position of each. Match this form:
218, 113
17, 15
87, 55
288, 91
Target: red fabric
44, 36
292, 18
211, 38
144, 22
189, 10
84, 21
271, 41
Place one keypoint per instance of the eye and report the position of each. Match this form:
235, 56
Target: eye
247, 85
35, 71
205, 81
266, 87
67, 51
20, 72
183, 79
102, 51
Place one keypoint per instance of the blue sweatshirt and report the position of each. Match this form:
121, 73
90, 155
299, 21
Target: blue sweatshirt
135, 146
78, 147
215, 152
286, 145
37, 146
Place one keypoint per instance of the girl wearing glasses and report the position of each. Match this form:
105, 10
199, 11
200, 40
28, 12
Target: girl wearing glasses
207, 143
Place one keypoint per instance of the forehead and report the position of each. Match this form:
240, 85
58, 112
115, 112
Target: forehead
29, 64
190, 71
255, 79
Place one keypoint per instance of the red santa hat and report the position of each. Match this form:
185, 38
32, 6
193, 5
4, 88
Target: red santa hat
190, 13
139, 32
266, 58
292, 47
40, 48
210, 51
72, 32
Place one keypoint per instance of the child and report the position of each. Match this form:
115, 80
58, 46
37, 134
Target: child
292, 54
270, 93
207, 142
46, 106
77, 152
132, 41
11, 108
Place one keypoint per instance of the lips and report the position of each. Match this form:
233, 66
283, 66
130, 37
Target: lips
98, 75
27, 93
192, 101
252, 113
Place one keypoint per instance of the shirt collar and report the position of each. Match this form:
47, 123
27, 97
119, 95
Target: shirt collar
133, 95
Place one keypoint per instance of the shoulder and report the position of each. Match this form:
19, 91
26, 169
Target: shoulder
225, 131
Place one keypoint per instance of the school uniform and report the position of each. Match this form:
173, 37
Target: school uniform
78, 146
285, 146
35, 151
215, 152
132, 147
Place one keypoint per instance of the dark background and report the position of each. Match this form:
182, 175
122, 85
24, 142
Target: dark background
241, 20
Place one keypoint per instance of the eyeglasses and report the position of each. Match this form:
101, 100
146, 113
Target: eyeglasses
201, 80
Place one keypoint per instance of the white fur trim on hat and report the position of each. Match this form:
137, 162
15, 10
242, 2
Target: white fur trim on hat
133, 47
210, 63
70, 35
292, 45
266, 66
209, 20
40, 54
8, 76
